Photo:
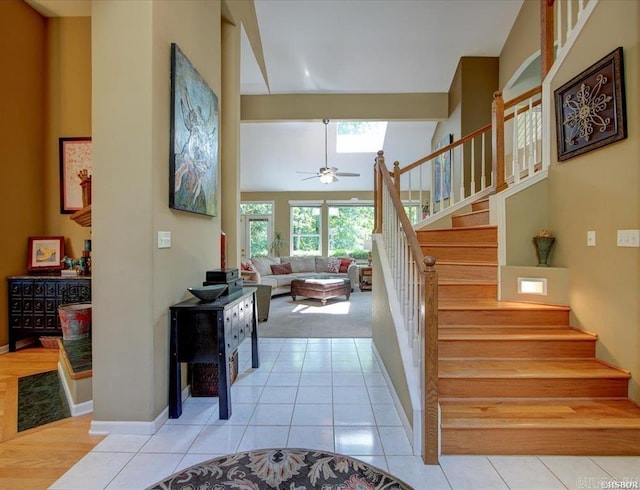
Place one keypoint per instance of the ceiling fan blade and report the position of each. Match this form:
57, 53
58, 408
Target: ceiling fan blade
309, 178
347, 174
300, 172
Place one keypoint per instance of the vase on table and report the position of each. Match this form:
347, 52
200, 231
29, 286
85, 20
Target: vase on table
543, 246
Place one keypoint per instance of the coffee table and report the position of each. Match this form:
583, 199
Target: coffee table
321, 288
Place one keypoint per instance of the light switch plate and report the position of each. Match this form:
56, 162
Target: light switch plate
591, 239
164, 239
628, 238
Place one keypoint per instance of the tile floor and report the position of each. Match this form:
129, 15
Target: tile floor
326, 394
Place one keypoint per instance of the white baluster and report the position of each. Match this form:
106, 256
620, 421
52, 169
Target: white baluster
580, 7
515, 167
559, 23
483, 180
473, 168
569, 18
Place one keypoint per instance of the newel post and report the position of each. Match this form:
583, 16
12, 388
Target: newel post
547, 36
396, 176
497, 141
430, 428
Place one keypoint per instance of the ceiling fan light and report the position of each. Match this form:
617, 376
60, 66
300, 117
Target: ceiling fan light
326, 178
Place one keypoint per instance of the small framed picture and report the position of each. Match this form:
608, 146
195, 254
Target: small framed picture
45, 253
75, 159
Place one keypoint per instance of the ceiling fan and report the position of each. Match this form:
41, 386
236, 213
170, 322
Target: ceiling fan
328, 174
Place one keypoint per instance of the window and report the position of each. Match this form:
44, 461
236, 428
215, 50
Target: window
257, 232
529, 127
360, 136
306, 230
349, 227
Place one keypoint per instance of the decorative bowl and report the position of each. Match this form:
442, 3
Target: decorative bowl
208, 293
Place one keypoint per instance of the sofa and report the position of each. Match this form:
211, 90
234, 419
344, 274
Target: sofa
278, 272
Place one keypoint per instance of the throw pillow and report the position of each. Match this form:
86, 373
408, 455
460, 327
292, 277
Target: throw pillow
344, 265
334, 265
246, 266
278, 270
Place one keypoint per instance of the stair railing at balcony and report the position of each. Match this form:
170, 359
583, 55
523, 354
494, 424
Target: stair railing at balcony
416, 286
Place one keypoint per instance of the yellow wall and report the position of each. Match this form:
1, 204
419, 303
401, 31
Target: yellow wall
68, 115
22, 186
600, 191
523, 41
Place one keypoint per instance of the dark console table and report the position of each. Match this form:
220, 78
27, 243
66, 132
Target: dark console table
34, 301
209, 333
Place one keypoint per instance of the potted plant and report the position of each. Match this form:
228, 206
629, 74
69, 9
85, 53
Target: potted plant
425, 210
277, 243
543, 241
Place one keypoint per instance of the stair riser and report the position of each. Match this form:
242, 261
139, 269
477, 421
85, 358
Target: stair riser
532, 387
461, 253
454, 235
516, 349
475, 219
461, 272
503, 317
570, 442
480, 205
467, 291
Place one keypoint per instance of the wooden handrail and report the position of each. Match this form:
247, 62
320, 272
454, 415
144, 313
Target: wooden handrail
412, 238
445, 149
522, 97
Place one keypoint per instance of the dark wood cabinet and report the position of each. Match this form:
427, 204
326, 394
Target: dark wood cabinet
209, 333
366, 278
34, 301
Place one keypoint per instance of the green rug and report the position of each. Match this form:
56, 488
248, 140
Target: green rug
41, 400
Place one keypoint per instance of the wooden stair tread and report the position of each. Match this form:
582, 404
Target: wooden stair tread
527, 369
547, 413
497, 305
464, 245
472, 213
457, 332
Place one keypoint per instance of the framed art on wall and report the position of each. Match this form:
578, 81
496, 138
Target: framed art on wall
75, 159
45, 253
442, 170
193, 173
590, 108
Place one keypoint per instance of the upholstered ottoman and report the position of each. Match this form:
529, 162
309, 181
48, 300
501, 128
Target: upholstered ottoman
321, 288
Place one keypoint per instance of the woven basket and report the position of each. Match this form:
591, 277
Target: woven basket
204, 377
49, 342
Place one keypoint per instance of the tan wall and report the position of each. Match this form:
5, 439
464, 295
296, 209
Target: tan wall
532, 203
134, 282
22, 89
68, 115
599, 191
386, 342
522, 42
282, 215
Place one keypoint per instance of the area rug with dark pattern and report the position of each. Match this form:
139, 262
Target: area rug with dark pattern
282, 469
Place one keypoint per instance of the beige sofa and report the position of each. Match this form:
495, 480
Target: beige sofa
301, 267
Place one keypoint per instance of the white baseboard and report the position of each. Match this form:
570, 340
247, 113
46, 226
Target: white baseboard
77, 409
104, 428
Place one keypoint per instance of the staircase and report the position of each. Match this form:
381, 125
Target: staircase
516, 378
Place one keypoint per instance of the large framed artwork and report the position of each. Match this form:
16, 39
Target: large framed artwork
45, 253
75, 161
193, 173
590, 108
442, 170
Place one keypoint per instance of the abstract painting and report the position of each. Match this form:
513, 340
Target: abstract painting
193, 174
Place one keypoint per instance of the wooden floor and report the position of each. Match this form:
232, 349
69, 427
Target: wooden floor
36, 458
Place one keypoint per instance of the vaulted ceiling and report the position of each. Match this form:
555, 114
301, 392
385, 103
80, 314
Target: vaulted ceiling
356, 46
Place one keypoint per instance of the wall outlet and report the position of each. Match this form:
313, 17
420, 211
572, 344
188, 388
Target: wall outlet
628, 238
164, 239
591, 239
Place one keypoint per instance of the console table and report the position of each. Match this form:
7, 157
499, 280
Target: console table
34, 301
209, 333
